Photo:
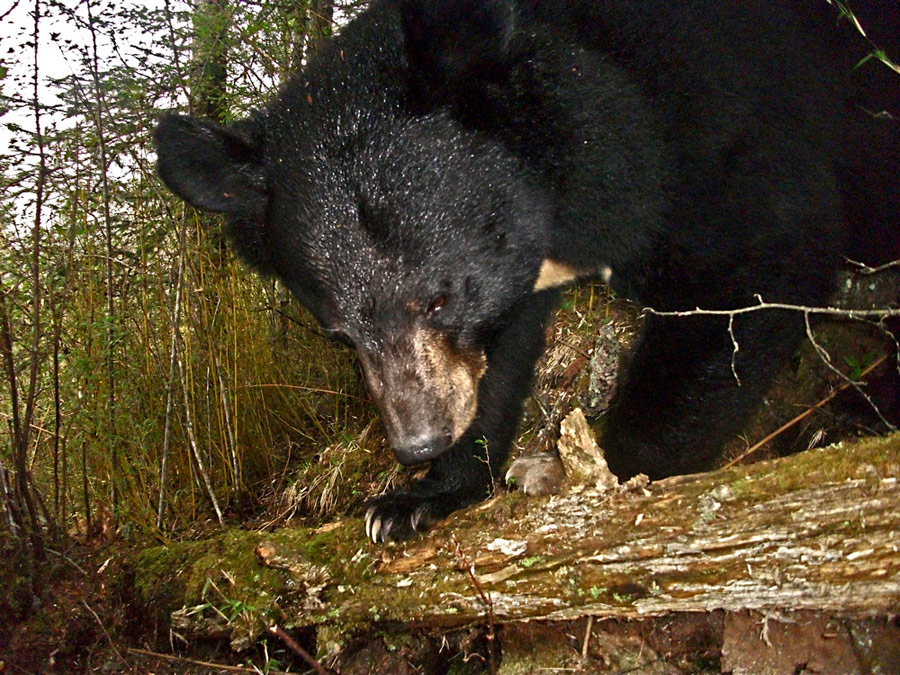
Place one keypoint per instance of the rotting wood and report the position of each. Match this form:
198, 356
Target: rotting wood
819, 530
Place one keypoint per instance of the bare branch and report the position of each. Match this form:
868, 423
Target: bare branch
882, 313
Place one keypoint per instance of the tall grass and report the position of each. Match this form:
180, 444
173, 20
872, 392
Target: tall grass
226, 383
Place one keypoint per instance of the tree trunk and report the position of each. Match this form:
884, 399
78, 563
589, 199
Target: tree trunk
819, 530
321, 15
314, 24
209, 59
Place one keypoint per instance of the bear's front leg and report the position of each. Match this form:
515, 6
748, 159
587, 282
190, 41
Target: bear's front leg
467, 472
687, 391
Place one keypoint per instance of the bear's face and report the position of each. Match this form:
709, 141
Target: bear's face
399, 249
413, 243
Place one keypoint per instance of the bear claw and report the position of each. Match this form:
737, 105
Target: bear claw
398, 516
378, 527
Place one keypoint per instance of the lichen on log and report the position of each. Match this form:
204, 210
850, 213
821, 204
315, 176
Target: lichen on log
819, 530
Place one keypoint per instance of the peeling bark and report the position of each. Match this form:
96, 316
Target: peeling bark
788, 534
816, 531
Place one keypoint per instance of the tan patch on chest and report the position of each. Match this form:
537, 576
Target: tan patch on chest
553, 274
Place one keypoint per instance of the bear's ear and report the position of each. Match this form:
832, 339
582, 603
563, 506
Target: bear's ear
456, 47
213, 167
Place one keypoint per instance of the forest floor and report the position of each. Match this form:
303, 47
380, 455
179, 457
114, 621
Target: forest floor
84, 620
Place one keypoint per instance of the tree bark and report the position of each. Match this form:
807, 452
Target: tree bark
819, 530
797, 533
314, 23
209, 59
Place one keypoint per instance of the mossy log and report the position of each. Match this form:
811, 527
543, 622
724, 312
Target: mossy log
819, 530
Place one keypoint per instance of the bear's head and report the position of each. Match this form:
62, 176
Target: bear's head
407, 235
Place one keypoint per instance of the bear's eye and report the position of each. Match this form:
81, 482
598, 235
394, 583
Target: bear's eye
435, 306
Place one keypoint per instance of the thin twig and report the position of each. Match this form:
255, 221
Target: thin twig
68, 560
830, 311
292, 644
858, 314
806, 413
203, 664
192, 442
862, 268
734, 351
826, 358
9, 11
298, 387
587, 636
485, 598
112, 645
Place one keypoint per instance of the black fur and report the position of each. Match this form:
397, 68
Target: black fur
704, 152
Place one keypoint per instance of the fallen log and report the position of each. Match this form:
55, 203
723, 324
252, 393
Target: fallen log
818, 531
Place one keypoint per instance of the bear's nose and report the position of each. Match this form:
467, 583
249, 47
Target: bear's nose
421, 448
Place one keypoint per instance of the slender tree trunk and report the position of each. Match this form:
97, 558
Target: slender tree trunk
110, 347
57, 419
209, 65
170, 382
14, 499
61, 485
22, 428
313, 28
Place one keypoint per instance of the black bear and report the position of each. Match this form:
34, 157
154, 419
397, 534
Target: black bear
437, 171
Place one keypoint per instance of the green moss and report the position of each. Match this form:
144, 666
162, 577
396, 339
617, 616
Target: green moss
225, 576
161, 572
871, 458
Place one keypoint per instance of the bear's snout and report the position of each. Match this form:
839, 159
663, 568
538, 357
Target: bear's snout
426, 392
419, 448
